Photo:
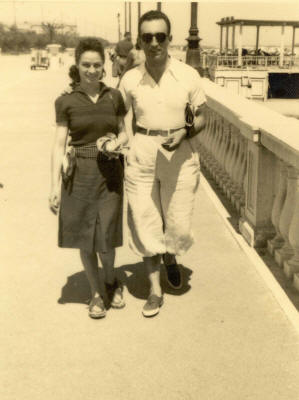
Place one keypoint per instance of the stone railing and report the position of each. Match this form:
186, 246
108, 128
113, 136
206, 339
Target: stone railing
252, 154
253, 61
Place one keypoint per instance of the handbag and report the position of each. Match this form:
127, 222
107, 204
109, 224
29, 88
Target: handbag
68, 163
189, 119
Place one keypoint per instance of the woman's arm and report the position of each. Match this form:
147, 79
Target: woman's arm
58, 151
116, 145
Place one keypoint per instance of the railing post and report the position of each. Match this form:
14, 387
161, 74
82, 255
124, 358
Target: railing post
280, 195
281, 55
286, 251
291, 266
240, 44
255, 225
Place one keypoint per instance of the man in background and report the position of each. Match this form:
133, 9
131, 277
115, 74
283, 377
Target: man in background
122, 51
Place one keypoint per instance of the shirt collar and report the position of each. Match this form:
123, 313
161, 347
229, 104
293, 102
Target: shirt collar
103, 88
171, 67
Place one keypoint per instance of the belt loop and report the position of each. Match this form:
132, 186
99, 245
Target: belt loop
147, 131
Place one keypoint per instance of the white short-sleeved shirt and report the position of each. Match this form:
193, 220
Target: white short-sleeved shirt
162, 105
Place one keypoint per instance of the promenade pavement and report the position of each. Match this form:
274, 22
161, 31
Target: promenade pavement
222, 337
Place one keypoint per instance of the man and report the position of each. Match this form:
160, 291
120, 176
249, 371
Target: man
162, 169
122, 51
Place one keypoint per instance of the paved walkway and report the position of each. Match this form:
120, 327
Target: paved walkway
224, 336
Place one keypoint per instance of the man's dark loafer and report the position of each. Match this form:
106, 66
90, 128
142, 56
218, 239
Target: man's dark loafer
152, 305
97, 308
174, 276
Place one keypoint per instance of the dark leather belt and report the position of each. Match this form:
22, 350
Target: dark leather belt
155, 132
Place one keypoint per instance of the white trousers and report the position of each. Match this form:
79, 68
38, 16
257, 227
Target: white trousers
161, 189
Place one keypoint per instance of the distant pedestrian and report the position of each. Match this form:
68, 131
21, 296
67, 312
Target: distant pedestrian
89, 201
135, 57
122, 50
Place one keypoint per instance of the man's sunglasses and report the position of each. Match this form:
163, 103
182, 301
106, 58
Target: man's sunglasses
148, 37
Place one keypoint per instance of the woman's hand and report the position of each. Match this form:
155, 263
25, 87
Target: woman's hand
108, 145
54, 200
111, 146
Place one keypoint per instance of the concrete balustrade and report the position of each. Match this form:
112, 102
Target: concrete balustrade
292, 265
286, 251
280, 195
252, 154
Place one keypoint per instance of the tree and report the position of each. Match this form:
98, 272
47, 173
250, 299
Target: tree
51, 30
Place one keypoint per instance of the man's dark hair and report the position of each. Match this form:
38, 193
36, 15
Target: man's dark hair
89, 44
127, 34
154, 14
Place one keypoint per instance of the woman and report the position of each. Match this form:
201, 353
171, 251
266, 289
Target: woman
90, 200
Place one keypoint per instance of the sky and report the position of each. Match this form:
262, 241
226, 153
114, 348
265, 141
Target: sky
99, 18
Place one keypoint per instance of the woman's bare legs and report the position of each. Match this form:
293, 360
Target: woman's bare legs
90, 263
107, 260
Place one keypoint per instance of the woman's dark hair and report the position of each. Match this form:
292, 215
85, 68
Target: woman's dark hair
74, 75
154, 14
87, 44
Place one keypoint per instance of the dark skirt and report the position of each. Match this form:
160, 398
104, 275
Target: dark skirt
90, 216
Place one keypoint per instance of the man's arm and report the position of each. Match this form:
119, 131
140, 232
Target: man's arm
198, 125
199, 121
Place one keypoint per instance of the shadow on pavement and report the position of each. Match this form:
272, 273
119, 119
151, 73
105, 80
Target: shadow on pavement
133, 276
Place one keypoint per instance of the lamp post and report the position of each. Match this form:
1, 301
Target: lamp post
193, 51
118, 22
130, 13
125, 16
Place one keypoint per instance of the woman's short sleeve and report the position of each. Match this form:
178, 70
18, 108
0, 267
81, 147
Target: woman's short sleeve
61, 109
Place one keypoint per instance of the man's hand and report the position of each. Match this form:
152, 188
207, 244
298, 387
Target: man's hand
173, 141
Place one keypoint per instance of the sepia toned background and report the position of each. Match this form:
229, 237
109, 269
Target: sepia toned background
223, 336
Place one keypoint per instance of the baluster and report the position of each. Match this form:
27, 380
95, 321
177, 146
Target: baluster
277, 241
286, 250
239, 196
227, 159
209, 143
216, 170
291, 266
222, 154
216, 145
235, 164
204, 139
232, 161
236, 167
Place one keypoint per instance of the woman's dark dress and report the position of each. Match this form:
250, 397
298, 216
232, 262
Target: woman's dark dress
90, 216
